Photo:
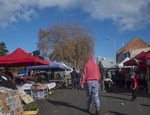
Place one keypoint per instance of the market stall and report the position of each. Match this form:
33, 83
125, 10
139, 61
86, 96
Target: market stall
20, 58
135, 61
10, 96
142, 61
10, 103
38, 90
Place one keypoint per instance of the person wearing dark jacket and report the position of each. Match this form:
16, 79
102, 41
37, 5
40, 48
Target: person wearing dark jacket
6, 81
74, 78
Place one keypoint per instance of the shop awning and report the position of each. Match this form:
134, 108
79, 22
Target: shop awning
137, 60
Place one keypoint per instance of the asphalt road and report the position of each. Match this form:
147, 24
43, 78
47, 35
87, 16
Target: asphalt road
73, 102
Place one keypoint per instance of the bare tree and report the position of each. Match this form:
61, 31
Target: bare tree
69, 42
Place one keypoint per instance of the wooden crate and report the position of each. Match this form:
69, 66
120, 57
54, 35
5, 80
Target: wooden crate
25, 97
11, 103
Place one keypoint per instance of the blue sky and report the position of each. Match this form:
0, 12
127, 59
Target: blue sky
118, 20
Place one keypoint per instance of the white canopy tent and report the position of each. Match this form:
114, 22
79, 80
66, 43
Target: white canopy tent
52, 64
121, 63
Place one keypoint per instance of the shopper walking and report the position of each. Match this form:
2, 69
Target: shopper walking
128, 79
102, 83
90, 78
74, 78
134, 86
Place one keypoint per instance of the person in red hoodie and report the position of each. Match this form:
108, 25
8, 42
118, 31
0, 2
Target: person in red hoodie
90, 79
134, 86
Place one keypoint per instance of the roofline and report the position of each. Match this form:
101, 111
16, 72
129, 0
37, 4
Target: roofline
129, 43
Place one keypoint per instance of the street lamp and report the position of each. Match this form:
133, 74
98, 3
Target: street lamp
114, 46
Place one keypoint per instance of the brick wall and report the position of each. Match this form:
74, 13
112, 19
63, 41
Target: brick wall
134, 44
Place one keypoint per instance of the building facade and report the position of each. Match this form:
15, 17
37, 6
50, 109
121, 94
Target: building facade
131, 49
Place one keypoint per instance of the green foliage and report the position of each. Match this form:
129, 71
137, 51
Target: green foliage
3, 50
30, 107
37, 53
16, 69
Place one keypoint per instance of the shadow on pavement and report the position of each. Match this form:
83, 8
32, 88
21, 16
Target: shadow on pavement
122, 93
115, 97
141, 93
145, 105
116, 113
60, 103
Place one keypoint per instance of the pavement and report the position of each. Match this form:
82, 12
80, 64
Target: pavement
73, 102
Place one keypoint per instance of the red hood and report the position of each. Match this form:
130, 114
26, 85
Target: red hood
90, 59
91, 70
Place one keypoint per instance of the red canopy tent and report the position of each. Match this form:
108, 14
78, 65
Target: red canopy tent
137, 60
146, 55
20, 58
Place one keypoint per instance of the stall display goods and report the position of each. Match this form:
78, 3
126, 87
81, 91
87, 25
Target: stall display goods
10, 103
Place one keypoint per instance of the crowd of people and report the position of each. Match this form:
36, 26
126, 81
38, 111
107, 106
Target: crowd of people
121, 78
96, 80
92, 76
93, 79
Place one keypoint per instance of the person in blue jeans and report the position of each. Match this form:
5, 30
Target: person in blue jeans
92, 92
90, 79
74, 77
